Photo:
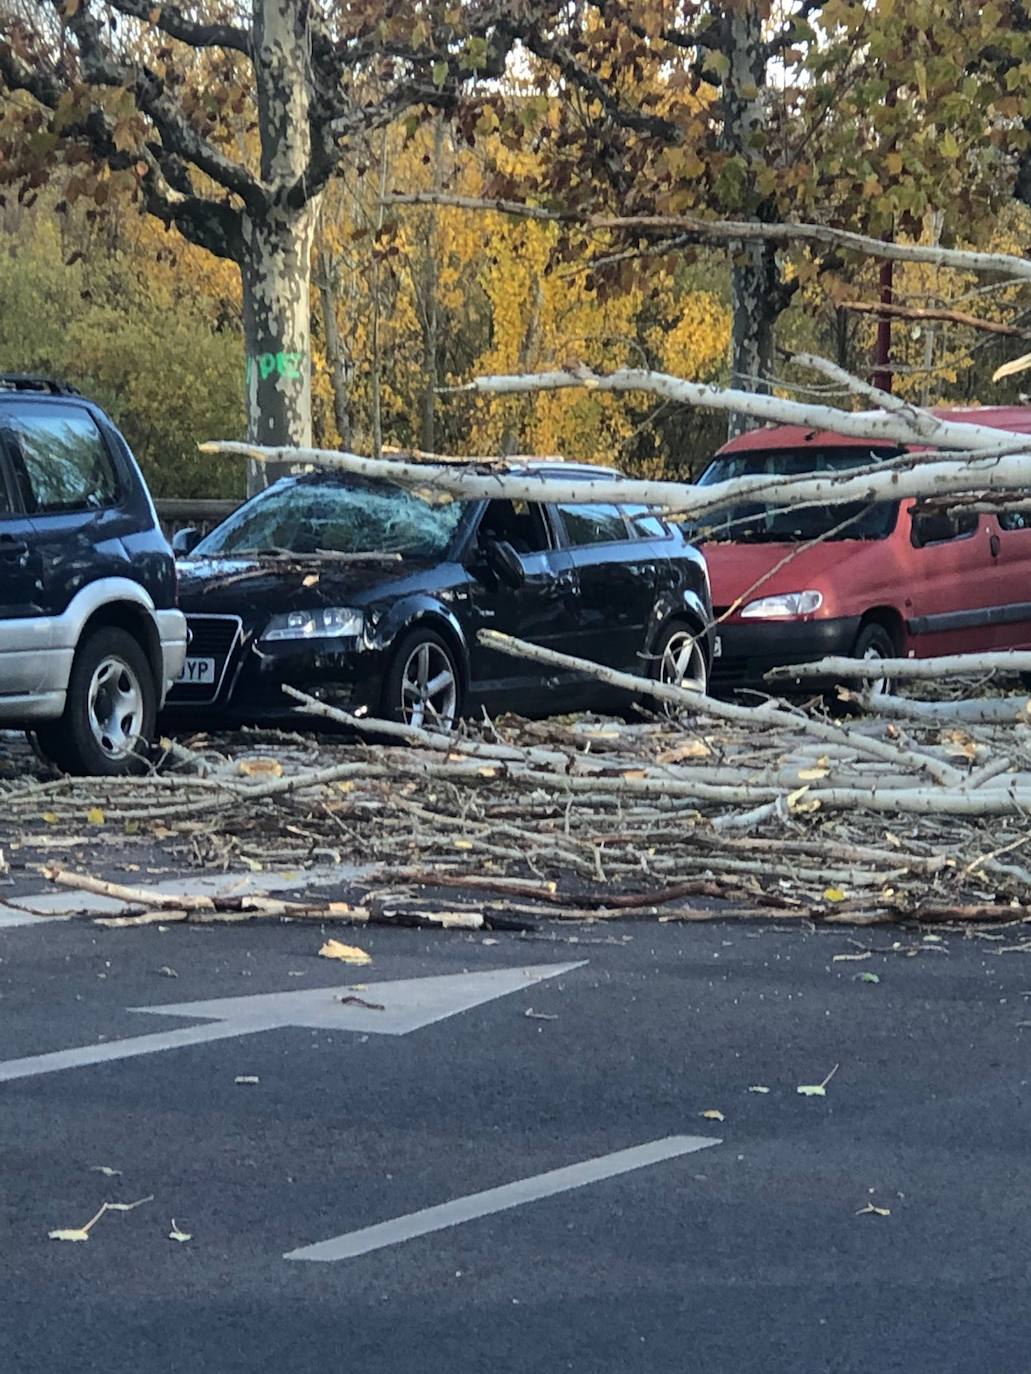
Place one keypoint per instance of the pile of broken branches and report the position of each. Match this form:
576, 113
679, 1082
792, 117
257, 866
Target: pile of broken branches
701, 809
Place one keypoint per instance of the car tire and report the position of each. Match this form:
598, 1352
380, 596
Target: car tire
422, 685
110, 709
679, 659
874, 641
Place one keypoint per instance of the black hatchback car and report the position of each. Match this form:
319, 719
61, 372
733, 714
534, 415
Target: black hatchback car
369, 596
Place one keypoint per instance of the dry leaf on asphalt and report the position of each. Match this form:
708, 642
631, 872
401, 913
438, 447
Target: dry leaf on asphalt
713, 1115
176, 1234
347, 954
817, 1089
834, 894
82, 1232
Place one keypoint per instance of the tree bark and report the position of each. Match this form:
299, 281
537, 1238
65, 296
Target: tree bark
338, 355
277, 240
755, 287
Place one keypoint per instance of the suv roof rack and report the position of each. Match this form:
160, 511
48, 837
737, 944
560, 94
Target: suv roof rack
24, 381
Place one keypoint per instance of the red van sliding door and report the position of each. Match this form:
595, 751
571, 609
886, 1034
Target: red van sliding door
953, 584
1010, 544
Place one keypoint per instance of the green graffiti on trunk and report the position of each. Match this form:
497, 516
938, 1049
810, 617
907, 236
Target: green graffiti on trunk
288, 365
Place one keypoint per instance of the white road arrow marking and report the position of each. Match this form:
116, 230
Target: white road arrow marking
400, 1007
476, 1205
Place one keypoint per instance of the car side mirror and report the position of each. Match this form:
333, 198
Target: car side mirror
504, 563
185, 541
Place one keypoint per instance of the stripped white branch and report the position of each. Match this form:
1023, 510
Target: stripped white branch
947, 665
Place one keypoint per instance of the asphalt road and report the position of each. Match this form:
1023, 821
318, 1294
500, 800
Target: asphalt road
745, 1256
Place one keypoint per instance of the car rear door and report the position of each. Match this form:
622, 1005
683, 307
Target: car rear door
616, 576
72, 488
952, 588
541, 610
20, 589
1009, 543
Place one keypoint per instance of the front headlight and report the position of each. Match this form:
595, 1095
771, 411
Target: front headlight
783, 607
328, 622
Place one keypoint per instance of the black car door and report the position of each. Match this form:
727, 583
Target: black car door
71, 488
540, 610
20, 586
616, 579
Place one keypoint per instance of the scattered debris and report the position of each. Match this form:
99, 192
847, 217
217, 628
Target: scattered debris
871, 1211
347, 954
350, 1000
106, 1170
539, 1015
713, 1114
176, 1234
758, 1088
247, 1078
817, 1089
83, 1232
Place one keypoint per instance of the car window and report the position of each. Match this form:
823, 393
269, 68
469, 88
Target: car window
1015, 519
65, 465
644, 523
939, 527
352, 517
592, 524
519, 523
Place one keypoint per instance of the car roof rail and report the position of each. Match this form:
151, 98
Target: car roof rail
26, 381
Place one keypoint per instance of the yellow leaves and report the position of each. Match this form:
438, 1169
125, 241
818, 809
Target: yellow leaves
346, 954
834, 894
95, 815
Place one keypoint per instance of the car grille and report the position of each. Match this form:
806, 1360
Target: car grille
209, 636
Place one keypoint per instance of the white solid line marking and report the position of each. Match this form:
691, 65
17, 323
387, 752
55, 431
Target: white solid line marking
476, 1205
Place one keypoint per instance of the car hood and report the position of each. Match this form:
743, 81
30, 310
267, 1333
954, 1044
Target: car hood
256, 588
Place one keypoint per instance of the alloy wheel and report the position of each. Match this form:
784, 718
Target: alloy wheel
115, 707
682, 665
429, 691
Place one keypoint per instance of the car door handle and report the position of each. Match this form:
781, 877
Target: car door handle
993, 545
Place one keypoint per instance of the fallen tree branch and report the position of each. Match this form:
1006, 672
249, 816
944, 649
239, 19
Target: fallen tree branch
946, 665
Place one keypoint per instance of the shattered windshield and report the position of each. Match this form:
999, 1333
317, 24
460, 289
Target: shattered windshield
754, 521
338, 516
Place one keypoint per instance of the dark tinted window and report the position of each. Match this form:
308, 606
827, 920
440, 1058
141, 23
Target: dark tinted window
752, 520
1015, 519
592, 524
352, 517
65, 465
519, 523
644, 523
938, 526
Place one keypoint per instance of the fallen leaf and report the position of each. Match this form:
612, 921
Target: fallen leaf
249, 1078
758, 1088
347, 954
713, 1115
462, 844
871, 1211
95, 816
817, 1089
834, 894
51, 817
176, 1234
260, 768
868, 977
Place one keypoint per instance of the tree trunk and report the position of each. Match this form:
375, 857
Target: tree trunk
756, 296
338, 355
277, 240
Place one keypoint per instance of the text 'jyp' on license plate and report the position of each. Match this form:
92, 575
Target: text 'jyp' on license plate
198, 670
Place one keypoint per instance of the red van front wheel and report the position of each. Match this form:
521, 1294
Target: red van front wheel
873, 642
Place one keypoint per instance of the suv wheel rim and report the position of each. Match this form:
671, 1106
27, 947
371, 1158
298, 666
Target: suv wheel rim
115, 707
683, 665
429, 693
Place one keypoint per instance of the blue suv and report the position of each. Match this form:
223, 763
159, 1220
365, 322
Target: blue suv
90, 637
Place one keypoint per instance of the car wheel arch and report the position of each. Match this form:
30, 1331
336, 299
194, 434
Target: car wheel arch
690, 621
135, 620
442, 624
889, 619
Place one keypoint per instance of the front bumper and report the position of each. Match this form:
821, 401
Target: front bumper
171, 628
751, 648
342, 673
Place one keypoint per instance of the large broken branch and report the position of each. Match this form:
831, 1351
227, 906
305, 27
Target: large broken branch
911, 669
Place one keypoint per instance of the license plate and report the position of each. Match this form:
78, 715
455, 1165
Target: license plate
198, 670
717, 647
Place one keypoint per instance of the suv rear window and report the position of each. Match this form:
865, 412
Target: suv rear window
65, 465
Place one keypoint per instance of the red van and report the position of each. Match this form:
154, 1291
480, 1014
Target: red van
889, 579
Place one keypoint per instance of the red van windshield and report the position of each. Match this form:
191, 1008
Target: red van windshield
754, 521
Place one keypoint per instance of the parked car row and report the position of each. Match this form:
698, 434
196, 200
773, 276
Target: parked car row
370, 596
